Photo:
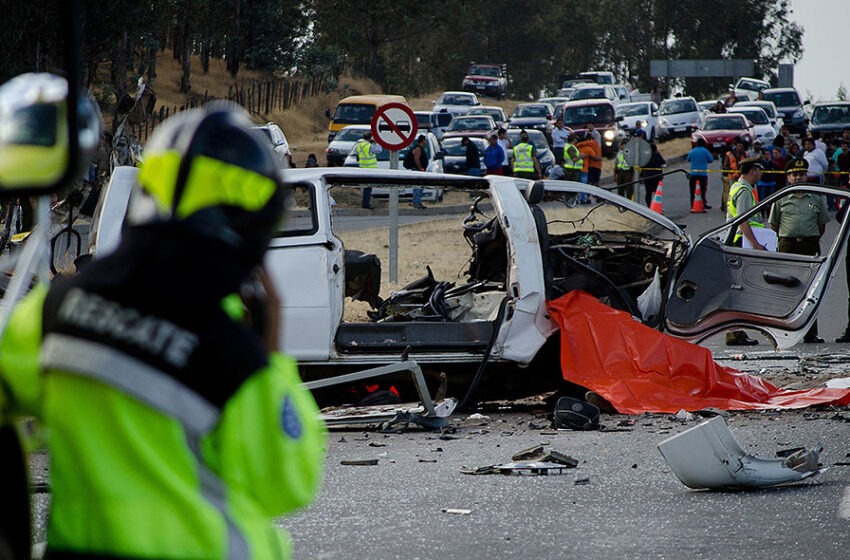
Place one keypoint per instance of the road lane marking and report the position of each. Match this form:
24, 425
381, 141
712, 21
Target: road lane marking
844, 506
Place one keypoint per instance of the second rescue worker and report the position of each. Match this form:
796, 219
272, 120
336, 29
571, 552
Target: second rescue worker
573, 163
526, 165
367, 157
741, 200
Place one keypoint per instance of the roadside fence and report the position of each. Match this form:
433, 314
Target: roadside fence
258, 97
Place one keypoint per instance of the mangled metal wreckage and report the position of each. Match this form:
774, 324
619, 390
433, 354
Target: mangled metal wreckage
528, 242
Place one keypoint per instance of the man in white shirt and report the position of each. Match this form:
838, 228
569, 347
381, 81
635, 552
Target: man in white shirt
559, 137
506, 145
817, 161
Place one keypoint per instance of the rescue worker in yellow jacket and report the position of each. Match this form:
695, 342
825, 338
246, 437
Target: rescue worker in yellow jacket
175, 428
526, 165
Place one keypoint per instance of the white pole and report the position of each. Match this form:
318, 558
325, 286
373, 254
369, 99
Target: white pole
393, 223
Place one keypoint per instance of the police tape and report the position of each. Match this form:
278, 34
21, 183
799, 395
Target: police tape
737, 171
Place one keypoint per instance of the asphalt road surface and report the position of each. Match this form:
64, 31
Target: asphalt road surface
622, 501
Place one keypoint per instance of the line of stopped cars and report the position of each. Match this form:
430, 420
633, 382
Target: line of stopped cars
520, 244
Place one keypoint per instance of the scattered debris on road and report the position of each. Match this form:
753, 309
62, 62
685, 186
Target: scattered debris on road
359, 462
457, 511
536, 460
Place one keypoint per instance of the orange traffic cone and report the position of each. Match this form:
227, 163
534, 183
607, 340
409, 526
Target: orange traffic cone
699, 206
656, 201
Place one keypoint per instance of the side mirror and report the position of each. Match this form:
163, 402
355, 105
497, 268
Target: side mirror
328, 113
807, 102
620, 117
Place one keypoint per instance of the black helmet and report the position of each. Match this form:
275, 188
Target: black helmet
208, 169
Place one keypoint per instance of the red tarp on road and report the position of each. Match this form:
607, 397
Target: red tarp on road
639, 369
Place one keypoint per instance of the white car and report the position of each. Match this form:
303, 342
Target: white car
435, 156
456, 102
769, 108
343, 142
643, 112
761, 126
595, 91
279, 143
433, 122
749, 87
679, 116
493, 111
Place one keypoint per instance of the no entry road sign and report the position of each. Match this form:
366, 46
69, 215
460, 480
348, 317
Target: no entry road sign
394, 126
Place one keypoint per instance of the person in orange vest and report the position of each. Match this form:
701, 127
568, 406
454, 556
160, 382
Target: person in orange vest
730, 169
592, 152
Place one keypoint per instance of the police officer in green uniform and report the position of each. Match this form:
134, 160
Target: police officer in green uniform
800, 220
526, 165
573, 159
176, 430
741, 200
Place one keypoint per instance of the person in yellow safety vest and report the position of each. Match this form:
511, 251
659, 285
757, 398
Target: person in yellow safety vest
741, 200
175, 427
573, 161
624, 174
526, 165
367, 157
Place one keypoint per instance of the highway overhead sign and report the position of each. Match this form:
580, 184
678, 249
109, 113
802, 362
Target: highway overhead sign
394, 126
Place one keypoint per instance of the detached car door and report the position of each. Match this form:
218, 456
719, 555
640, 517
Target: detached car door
722, 286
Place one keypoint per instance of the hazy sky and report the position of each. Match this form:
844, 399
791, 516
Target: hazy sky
825, 64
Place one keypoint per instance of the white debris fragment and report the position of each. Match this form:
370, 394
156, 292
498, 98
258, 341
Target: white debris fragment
684, 416
478, 416
838, 383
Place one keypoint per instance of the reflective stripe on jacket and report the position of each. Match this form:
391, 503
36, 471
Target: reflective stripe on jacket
568, 162
523, 157
142, 465
365, 157
621, 162
732, 212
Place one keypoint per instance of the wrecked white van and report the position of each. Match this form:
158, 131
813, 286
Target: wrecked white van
524, 243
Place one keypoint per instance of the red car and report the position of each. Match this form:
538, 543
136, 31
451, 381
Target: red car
722, 129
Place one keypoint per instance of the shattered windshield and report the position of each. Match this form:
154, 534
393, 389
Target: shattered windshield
564, 219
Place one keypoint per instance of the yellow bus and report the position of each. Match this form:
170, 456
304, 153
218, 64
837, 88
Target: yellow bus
357, 109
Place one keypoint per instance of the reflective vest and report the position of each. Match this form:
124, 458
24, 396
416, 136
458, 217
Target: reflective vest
365, 157
205, 464
732, 212
621, 162
568, 162
732, 163
523, 157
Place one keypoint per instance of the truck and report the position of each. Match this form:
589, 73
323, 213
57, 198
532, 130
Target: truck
520, 244
487, 79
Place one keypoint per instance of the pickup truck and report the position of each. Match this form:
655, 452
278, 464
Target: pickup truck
487, 79
524, 243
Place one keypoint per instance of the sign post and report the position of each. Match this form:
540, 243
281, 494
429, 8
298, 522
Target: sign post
394, 127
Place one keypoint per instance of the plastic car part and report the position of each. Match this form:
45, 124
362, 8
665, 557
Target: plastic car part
708, 456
